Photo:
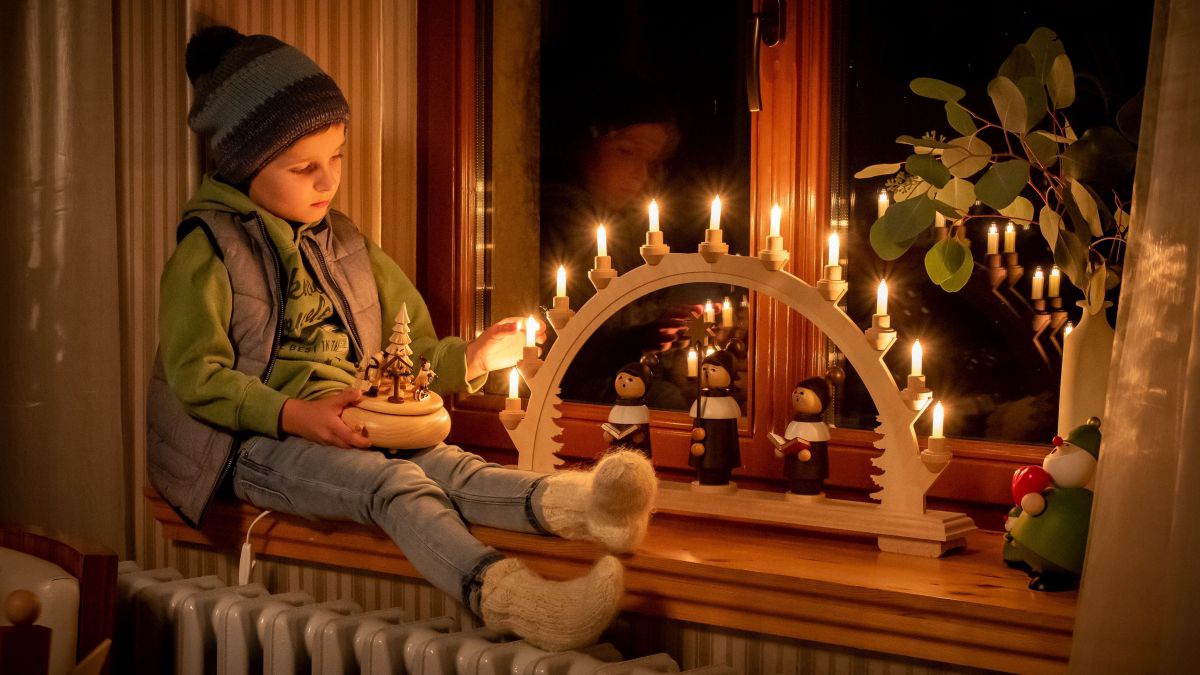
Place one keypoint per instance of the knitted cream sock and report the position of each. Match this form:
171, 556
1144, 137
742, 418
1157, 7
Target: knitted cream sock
609, 505
551, 615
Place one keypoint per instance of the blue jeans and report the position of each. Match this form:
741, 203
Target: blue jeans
422, 499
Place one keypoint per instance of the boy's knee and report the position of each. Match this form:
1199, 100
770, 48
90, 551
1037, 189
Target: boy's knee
401, 479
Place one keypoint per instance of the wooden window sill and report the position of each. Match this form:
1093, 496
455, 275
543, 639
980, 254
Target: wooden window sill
966, 609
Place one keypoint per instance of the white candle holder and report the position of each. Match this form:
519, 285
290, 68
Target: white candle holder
512, 414
602, 273
881, 335
654, 250
560, 313
530, 362
916, 394
936, 456
831, 285
713, 247
774, 257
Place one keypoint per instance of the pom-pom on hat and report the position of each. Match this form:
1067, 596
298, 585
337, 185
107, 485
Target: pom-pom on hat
254, 96
1087, 437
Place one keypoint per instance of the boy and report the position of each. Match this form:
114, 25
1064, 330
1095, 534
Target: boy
267, 304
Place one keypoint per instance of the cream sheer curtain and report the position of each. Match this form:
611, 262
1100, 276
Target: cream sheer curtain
62, 454
1139, 607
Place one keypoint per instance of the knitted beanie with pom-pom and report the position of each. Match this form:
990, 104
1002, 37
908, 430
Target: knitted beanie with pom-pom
254, 96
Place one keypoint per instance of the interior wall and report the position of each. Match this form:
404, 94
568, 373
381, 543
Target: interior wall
63, 462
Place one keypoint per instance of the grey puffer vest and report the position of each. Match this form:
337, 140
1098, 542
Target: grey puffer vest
187, 458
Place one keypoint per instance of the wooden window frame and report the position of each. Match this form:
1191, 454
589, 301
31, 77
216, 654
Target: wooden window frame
790, 164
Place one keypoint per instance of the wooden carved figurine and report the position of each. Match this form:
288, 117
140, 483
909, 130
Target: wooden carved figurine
425, 377
714, 450
804, 445
1048, 529
628, 424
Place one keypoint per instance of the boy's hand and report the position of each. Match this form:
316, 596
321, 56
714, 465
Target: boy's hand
321, 422
499, 346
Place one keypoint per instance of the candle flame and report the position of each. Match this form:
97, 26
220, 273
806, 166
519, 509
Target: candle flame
883, 197
601, 241
531, 331
776, 217
917, 355
654, 215
1009, 228
881, 297
992, 229
714, 220
1053, 271
512, 383
834, 249
939, 421
1070, 327
561, 279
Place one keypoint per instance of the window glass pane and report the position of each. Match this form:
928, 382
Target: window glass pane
981, 356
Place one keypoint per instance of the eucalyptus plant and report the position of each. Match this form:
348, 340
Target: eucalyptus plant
1028, 151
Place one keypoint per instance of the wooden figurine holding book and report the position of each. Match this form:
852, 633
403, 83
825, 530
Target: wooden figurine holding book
628, 424
714, 449
804, 445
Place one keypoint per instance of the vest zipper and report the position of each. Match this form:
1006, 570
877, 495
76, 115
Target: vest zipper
346, 315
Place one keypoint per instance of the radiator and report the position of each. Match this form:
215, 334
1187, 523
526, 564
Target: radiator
200, 626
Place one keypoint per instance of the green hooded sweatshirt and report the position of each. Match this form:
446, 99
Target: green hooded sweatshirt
314, 357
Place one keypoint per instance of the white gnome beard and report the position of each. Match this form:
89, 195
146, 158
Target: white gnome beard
1070, 467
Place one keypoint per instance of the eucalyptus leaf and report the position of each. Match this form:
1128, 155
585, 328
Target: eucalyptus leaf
1112, 278
1086, 206
1069, 131
1044, 46
882, 240
936, 89
1051, 224
958, 193
1009, 103
963, 275
876, 170
920, 142
928, 169
944, 259
1042, 149
960, 120
947, 210
1061, 83
1097, 285
1035, 101
913, 189
1071, 257
966, 156
1018, 64
1001, 184
907, 219
1054, 137
1122, 218
1101, 158
1129, 117
1020, 209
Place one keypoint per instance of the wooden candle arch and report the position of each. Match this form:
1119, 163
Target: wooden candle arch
899, 520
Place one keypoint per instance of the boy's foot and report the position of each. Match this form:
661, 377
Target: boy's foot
551, 615
609, 505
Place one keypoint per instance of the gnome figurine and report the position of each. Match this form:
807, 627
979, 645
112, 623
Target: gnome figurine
804, 445
1047, 530
714, 450
628, 424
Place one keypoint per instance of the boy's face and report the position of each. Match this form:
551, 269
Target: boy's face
299, 184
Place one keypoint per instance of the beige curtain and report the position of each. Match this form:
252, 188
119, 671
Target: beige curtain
1139, 607
62, 455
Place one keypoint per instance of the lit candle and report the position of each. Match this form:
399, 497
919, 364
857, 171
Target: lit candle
1010, 238
881, 298
833, 249
1055, 280
1039, 279
692, 362
883, 202
727, 314
561, 288
916, 358
653, 215
601, 242
512, 384
709, 313
939, 419
993, 240
714, 219
531, 331
776, 215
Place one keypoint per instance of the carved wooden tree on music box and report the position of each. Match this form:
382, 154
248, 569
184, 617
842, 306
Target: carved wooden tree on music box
899, 520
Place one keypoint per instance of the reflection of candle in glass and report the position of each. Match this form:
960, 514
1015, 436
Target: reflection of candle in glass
727, 314
512, 383
776, 215
883, 202
916, 357
692, 362
881, 298
601, 242
709, 314
561, 286
1055, 280
833, 249
993, 240
939, 419
714, 219
1070, 327
708, 351
1039, 280
1010, 238
531, 331
653, 216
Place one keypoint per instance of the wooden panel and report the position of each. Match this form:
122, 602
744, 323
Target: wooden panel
966, 608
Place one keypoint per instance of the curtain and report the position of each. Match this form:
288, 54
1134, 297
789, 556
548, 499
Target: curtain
62, 454
1139, 606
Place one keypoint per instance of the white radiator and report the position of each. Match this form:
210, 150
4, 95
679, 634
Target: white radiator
200, 626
